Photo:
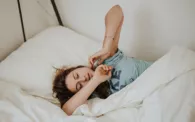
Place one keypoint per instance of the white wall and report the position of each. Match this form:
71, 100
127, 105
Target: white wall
10, 28
151, 27
37, 16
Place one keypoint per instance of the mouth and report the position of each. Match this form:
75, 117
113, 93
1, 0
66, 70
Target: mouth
89, 76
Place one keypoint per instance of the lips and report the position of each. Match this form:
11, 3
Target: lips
89, 76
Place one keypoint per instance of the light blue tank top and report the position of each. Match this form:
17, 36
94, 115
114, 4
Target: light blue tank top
125, 70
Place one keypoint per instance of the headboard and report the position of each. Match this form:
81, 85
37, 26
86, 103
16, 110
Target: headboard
10, 29
21, 20
151, 27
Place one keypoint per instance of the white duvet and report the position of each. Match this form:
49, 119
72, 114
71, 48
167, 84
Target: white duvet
165, 92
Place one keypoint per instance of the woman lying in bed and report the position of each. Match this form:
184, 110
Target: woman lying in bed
109, 70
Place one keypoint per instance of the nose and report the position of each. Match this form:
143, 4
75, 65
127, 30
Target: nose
85, 79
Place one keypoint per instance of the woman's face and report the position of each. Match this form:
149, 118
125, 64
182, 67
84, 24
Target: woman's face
78, 78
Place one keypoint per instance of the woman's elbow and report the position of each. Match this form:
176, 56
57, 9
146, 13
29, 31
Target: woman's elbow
118, 9
67, 109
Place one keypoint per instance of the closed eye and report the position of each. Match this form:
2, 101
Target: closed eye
78, 86
75, 76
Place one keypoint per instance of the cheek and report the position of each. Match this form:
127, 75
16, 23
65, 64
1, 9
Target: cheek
90, 70
70, 84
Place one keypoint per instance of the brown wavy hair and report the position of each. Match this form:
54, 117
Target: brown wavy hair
63, 94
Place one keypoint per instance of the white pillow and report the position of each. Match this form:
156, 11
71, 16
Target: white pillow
31, 66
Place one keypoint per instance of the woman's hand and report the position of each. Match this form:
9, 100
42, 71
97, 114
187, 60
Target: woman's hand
101, 55
102, 73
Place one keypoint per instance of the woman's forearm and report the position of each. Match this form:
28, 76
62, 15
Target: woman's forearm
112, 22
80, 97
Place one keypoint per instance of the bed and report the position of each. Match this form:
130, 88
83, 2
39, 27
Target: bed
165, 92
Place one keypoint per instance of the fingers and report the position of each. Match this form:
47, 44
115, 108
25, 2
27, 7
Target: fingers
109, 73
103, 73
96, 55
90, 61
90, 65
101, 55
104, 57
106, 68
